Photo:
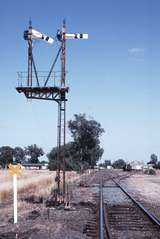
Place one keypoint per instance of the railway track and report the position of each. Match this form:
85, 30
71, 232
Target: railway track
122, 217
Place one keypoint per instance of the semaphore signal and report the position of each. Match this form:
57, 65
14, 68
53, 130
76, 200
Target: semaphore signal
34, 89
34, 34
72, 36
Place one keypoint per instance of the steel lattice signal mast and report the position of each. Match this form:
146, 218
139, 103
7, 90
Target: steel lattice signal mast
49, 89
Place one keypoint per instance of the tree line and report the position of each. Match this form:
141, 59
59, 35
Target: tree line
84, 151
122, 164
29, 154
118, 164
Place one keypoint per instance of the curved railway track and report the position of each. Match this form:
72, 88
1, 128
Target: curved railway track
122, 217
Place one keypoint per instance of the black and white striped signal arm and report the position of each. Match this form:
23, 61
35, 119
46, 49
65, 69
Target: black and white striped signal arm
63, 35
33, 34
76, 36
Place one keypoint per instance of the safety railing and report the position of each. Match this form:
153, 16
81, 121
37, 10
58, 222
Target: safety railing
39, 79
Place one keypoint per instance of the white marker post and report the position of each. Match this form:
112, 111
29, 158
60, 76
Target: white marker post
15, 170
15, 197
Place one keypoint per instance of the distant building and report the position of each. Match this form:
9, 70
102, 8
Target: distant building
109, 167
34, 166
148, 166
137, 165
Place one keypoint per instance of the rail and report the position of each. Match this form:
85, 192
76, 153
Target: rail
104, 229
103, 223
152, 217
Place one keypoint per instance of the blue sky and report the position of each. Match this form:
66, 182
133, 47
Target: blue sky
113, 76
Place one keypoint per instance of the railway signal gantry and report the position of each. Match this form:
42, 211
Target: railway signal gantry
43, 86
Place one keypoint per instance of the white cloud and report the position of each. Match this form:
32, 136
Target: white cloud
136, 50
136, 53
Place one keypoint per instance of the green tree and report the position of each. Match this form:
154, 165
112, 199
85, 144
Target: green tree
53, 159
19, 154
71, 162
154, 159
86, 134
34, 152
119, 164
6, 156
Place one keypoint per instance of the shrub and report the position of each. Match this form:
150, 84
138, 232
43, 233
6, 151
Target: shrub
127, 167
150, 171
119, 164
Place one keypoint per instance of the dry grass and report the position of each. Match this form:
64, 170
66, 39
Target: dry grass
29, 182
32, 182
